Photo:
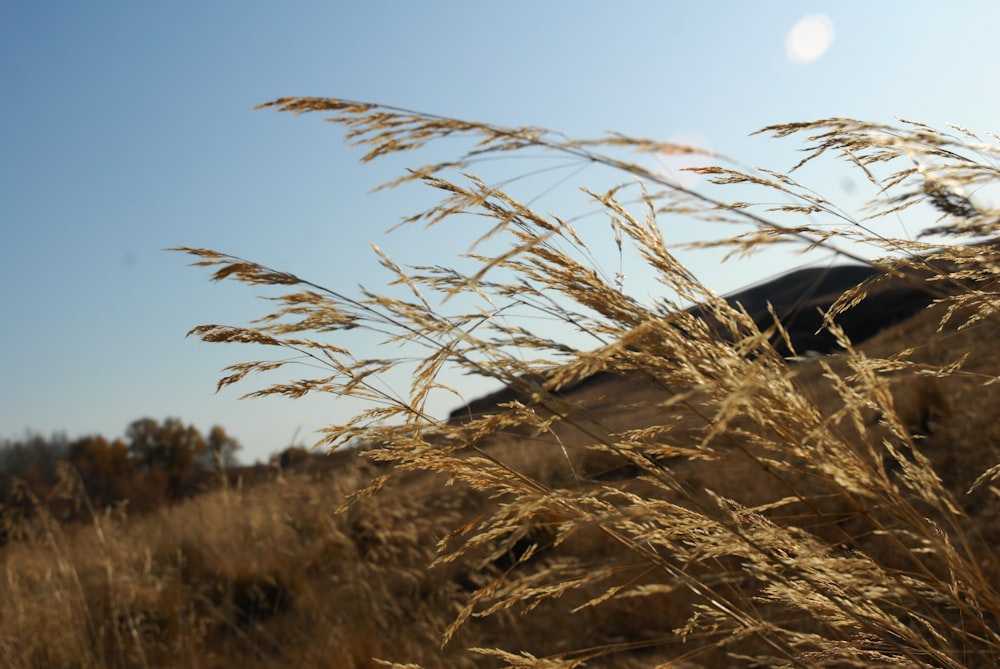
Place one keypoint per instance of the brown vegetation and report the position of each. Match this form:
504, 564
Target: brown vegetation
693, 490
157, 463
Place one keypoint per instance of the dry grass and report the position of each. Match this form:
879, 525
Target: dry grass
268, 576
681, 492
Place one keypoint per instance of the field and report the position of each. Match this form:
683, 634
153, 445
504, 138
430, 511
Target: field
800, 475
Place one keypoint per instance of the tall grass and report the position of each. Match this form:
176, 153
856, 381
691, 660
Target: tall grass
262, 576
744, 506
686, 489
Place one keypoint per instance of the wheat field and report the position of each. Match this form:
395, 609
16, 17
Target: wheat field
692, 488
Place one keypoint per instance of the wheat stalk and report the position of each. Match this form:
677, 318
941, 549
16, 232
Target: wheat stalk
850, 549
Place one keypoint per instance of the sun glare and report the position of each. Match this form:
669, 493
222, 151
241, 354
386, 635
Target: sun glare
809, 38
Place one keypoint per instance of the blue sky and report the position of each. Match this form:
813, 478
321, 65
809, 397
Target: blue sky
128, 127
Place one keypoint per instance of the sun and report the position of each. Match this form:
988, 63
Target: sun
809, 39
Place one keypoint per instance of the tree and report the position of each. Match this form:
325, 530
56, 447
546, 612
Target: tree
290, 456
220, 448
32, 461
167, 453
104, 467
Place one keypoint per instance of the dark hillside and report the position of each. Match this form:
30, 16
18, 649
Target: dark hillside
800, 299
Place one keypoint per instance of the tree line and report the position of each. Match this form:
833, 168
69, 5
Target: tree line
155, 463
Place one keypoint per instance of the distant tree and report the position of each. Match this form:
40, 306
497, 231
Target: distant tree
104, 467
156, 462
290, 456
31, 460
168, 454
220, 448
30, 481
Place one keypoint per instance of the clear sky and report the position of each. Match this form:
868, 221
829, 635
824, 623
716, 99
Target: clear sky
127, 127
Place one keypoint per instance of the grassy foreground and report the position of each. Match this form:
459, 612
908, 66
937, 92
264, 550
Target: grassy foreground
690, 489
